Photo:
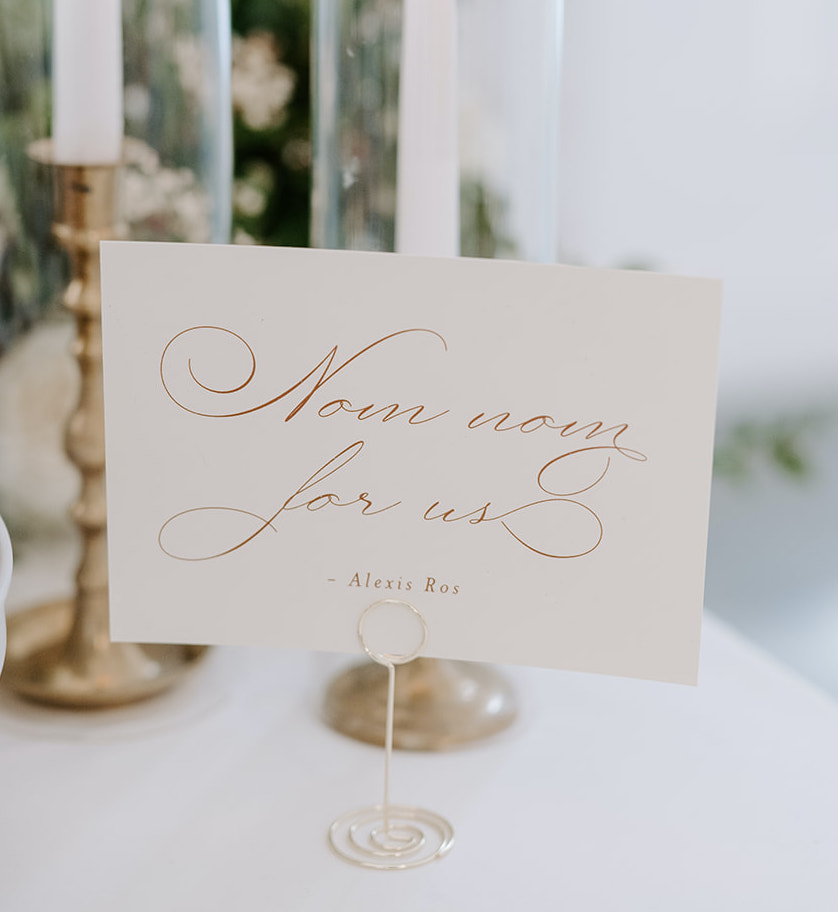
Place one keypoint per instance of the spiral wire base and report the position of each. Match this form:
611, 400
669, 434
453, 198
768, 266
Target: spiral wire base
391, 838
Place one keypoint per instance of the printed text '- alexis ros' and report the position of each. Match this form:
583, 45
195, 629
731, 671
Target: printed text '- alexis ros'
428, 584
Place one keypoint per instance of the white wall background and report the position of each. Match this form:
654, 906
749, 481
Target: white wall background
702, 137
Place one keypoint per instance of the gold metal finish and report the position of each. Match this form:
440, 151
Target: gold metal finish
61, 653
439, 704
50, 669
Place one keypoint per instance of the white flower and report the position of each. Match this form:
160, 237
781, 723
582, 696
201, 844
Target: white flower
240, 236
165, 204
248, 199
261, 86
136, 100
189, 54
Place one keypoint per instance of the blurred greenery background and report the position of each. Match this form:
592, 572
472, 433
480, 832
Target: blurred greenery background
271, 106
271, 93
271, 124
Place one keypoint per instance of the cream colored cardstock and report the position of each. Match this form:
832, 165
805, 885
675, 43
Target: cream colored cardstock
521, 451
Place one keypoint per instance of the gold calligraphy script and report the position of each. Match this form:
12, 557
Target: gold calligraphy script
556, 524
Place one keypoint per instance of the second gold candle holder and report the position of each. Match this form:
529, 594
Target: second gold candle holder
439, 704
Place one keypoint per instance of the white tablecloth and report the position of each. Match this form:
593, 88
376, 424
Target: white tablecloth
608, 794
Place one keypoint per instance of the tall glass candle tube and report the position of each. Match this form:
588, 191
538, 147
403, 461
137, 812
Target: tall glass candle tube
435, 128
508, 68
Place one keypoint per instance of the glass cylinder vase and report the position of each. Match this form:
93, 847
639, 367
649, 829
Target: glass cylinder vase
508, 100
176, 183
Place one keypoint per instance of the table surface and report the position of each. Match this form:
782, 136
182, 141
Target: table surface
607, 794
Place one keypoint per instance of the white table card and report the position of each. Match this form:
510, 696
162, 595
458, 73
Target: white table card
521, 451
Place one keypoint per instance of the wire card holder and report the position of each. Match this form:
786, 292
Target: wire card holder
387, 836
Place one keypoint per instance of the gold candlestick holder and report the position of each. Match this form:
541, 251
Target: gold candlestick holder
439, 704
60, 653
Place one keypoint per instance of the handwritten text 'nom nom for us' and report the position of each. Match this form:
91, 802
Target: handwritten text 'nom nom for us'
553, 524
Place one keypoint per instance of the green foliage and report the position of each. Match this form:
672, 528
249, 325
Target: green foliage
481, 213
277, 158
779, 444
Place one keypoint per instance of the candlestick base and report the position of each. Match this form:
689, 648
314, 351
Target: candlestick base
45, 663
439, 704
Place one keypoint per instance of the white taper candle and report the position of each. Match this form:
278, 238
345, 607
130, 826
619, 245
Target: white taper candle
87, 123
428, 198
